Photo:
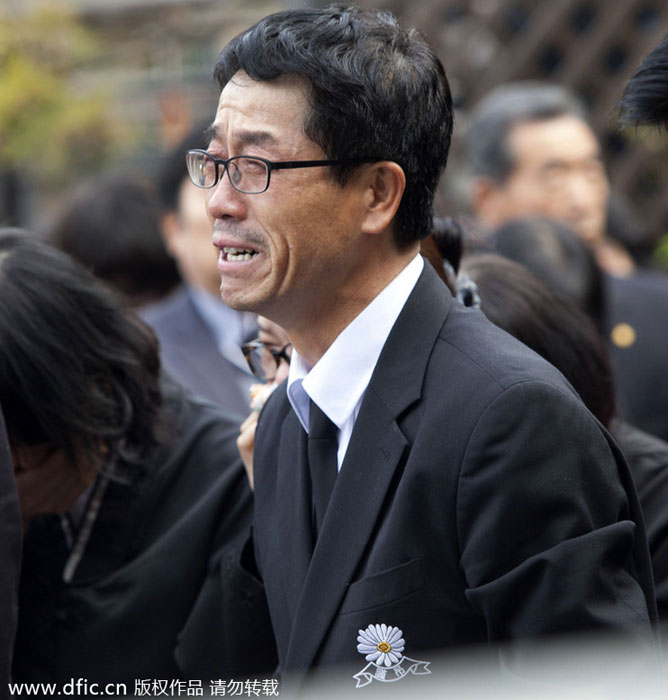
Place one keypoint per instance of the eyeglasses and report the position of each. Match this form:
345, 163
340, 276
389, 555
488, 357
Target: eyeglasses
249, 175
264, 360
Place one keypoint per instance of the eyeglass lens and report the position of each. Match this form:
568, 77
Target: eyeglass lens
266, 363
264, 360
248, 175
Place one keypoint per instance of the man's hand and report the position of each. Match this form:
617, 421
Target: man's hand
246, 444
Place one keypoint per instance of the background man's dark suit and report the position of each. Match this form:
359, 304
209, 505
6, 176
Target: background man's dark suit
639, 360
478, 500
10, 552
189, 353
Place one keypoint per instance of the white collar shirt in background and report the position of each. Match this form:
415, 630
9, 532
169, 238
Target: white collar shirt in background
337, 382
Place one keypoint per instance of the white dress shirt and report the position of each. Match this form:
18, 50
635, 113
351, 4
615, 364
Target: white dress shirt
337, 382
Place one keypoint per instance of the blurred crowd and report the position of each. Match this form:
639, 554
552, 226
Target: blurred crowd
131, 392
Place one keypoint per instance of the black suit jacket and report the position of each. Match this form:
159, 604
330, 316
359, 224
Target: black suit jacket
641, 369
153, 596
647, 457
478, 500
10, 554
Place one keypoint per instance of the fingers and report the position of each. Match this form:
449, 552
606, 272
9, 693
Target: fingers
246, 444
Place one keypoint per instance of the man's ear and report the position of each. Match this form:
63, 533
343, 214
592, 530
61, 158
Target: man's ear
385, 184
487, 201
169, 230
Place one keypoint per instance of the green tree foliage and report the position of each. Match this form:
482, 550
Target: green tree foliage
661, 252
48, 128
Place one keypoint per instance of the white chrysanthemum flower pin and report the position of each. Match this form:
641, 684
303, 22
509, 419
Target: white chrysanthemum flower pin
381, 644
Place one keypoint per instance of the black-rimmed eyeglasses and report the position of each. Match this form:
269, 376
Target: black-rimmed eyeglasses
248, 174
263, 360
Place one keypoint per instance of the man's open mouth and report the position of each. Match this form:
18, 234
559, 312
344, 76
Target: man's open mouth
238, 254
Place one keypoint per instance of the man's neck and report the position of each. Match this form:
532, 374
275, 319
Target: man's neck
314, 335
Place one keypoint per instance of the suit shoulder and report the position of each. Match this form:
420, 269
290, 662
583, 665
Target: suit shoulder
195, 423
480, 349
163, 312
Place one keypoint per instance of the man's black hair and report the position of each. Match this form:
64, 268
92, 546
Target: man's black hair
505, 107
112, 226
375, 91
645, 99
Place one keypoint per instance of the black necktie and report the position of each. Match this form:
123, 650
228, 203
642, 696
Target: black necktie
322, 448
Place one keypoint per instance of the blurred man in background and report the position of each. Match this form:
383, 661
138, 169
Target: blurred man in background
533, 153
200, 336
111, 225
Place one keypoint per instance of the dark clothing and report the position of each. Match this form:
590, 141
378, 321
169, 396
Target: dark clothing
478, 500
10, 554
637, 332
188, 351
647, 457
159, 546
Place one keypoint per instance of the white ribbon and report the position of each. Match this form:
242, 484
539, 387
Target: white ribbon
373, 672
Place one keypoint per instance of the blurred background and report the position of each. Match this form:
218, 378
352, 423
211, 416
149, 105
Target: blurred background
93, 85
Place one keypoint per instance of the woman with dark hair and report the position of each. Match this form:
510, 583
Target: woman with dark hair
76, 372
513, 298
131, 491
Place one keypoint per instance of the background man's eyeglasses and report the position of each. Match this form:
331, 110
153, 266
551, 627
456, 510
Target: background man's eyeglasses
263, 360
249, 175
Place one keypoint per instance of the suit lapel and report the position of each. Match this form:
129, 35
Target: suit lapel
374, 453
357, 498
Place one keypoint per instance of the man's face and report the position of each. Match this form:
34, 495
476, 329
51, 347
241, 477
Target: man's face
189, 239
558, 173
275, 337
302, 233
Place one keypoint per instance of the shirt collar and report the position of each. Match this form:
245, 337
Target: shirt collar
337, 382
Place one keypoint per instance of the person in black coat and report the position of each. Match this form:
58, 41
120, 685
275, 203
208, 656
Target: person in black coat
199, 335
422, 479
132, 494
10, 556
513, 298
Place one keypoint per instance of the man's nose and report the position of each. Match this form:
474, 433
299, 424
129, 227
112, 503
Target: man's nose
225, 201
582, 192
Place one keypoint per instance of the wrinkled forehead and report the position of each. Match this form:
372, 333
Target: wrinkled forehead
260, 112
